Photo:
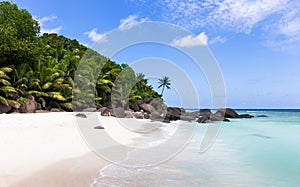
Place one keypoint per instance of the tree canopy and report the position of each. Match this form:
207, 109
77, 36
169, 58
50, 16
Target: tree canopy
45, 67
18, 35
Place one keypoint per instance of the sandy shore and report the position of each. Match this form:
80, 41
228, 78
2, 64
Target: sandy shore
45, 150
50, 149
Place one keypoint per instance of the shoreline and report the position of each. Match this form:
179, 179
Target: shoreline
47, 143
78, 171
51, 149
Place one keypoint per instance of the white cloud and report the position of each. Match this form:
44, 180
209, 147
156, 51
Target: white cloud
191, 41
217, 39
42, 21
96, 37
285, 33
125, 24
130, 21
53, 30
278, 21
239, 15
243, 15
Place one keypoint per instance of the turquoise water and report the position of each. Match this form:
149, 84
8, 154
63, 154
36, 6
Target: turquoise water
247, 152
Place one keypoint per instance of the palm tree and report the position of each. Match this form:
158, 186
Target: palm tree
6, 89
165, 82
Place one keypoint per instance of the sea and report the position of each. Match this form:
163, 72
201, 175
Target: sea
261, 151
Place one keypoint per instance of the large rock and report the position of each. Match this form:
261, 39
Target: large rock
147, 108
129, 114
205, 112
29, 106
38, 106
4, 108
104, 111
134, 106
147, 100
119, 112
175, 110
159, 106
174, 113
228, 113
172, 117
218, 117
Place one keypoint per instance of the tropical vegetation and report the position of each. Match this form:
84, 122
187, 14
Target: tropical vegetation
164, 82
58, 71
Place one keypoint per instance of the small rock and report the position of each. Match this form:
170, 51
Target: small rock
245, 116
81, 115
55, 110
98, 127
261, 116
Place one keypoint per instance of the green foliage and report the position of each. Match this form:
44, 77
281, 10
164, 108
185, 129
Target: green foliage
46, 66
19, 19
18, 36
6, 90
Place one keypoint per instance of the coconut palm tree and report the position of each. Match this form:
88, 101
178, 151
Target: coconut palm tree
6, 89
165, 82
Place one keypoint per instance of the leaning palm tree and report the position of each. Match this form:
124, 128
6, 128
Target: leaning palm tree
165, 82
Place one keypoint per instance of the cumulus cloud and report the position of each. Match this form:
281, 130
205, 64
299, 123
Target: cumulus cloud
95, 36
43, 21
191, 41
125, 24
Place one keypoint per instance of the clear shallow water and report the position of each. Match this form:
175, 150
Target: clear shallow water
247, 152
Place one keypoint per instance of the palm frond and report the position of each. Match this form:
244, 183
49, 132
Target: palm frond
3, 100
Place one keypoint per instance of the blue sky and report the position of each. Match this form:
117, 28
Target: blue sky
255, 42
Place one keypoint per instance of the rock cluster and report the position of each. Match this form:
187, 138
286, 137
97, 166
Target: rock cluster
156, 109
149, 108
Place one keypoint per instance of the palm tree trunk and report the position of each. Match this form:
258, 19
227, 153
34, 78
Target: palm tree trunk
162, 90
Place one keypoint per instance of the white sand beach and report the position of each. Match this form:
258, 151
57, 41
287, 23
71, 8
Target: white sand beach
48, 149
45, 148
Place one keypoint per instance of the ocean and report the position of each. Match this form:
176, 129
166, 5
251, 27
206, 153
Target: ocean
261, 151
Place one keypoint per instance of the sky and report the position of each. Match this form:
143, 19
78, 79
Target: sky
255, 44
